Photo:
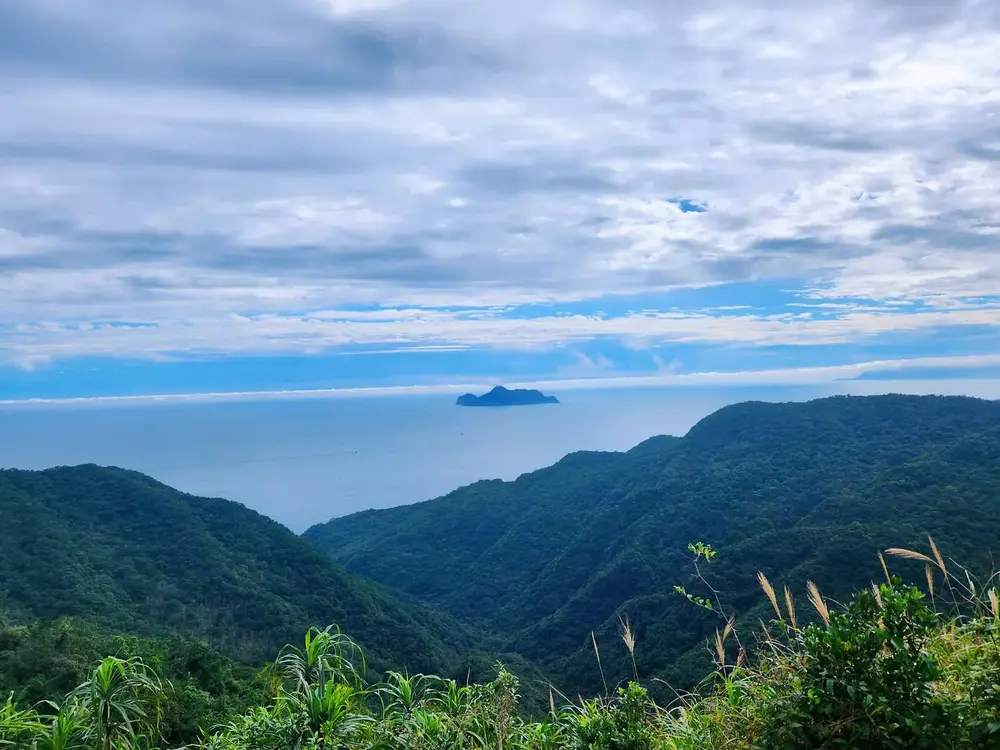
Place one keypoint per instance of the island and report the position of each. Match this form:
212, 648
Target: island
501, 396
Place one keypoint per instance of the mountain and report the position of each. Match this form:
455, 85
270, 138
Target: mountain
474, 533
136, 556
797, 490
501, 396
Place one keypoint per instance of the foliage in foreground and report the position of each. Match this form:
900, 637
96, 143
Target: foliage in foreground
894, 668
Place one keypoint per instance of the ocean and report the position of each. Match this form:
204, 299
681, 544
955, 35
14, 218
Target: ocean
303, 460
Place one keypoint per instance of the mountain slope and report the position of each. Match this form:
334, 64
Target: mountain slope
137, 556
479, 528
779, 487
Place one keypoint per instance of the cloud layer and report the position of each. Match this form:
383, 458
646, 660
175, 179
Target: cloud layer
297, 176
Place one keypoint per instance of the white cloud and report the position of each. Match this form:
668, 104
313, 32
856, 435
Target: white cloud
586, 366
209, 176
428, 329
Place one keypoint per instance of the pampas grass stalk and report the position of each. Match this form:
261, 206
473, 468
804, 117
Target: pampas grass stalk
938, 558
909, 554
885, 569
628, 636
720, 650
791, 609
817, 601
769, 592
597, 653
929, 575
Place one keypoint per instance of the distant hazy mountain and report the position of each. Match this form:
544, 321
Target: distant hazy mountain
797, 490
501, 396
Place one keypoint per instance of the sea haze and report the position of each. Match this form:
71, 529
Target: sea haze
302, 461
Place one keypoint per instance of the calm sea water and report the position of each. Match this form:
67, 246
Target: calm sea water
303, 461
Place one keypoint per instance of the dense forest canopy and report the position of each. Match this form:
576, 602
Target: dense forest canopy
136, 556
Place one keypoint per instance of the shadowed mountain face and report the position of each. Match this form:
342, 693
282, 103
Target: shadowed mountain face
137, 556
501, 396
797, 490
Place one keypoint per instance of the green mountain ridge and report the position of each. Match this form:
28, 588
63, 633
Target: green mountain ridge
798, 490
136, 556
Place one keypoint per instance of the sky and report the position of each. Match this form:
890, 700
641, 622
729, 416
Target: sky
274, 195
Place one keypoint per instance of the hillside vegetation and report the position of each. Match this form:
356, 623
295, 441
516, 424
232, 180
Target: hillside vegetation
892, 669
43, 662
799, 490
136, 556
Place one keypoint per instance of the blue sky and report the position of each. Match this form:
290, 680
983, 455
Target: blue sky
268, 195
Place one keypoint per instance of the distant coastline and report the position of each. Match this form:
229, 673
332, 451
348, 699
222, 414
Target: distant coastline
501, 396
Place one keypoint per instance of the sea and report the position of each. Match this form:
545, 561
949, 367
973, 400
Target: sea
305, 460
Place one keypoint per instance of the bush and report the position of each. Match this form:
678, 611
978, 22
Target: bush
865, 680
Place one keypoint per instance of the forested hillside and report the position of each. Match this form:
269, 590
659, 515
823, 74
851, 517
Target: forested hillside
473, 534
792, 489
187, 598
136, 556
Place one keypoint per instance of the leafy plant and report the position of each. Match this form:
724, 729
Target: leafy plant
865, 679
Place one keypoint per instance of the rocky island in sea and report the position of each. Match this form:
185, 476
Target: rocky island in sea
501, 396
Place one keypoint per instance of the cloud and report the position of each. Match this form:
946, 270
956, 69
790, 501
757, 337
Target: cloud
238, 176
481, 329
586, 366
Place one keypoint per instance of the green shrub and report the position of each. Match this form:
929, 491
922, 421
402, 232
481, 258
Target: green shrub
865, 680
626, 723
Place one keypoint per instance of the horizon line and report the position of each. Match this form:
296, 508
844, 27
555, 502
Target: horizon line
819, 375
